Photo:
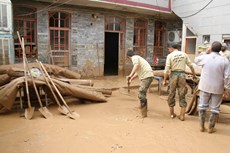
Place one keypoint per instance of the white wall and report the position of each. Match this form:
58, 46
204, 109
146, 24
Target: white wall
145, 4
213, 20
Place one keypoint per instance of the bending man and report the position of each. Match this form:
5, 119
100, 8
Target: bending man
143, 70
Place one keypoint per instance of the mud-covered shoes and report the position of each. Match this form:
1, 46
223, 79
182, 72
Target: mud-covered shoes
182, 114
202, 114
144, 111
212, 122
172, 114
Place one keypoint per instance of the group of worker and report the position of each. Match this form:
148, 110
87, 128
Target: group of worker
214, 80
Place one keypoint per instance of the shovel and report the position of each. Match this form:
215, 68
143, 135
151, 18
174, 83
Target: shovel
21, 103
128, 87
126, 90
30, 110
71, 114
44, 111
61, 108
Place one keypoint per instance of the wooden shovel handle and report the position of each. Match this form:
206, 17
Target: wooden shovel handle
24, 65
63, 100
51, 89
128, 87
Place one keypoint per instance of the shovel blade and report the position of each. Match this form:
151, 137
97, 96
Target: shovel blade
63, 110
73, 115
45, 112
29, 112
124, 91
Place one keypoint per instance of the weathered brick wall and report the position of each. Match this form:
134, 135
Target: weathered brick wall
129, 33
42, 36
87, 44
150, 39
87, 38
129, 43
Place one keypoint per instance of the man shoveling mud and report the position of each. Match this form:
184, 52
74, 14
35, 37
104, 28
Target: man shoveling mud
143, 70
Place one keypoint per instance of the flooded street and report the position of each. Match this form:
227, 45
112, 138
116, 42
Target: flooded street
114, 126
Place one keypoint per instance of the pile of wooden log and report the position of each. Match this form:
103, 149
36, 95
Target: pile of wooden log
67, 82
34, 75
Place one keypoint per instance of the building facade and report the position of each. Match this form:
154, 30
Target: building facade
92, 37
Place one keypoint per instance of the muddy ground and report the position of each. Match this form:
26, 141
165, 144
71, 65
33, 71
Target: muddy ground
115, 126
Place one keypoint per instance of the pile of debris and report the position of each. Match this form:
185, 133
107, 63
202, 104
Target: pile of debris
35, 76
56, 82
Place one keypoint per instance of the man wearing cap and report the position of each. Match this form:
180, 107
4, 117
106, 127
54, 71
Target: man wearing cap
225, 52
175, 65
144, 72
215, 78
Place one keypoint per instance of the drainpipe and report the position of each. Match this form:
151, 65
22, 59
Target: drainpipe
12, 57
183, 41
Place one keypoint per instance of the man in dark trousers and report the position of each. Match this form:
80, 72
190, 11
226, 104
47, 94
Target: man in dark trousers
144, 72
214, 80
175, 65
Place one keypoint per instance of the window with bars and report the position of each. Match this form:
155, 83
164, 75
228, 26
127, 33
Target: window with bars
59, 24
139, 38
25, 24
4, 51
3, 16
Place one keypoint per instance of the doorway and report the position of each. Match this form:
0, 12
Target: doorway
111, 53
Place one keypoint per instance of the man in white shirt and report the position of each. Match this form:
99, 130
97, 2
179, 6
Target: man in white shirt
215, 78
144, 72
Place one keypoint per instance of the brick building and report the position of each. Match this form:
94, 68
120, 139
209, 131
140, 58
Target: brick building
92, 36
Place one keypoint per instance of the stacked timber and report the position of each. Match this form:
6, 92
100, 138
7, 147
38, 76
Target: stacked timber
69, 84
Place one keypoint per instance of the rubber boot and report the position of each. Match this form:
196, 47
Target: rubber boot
144, 109
172, 114
212, 122
182, 113
202, 114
